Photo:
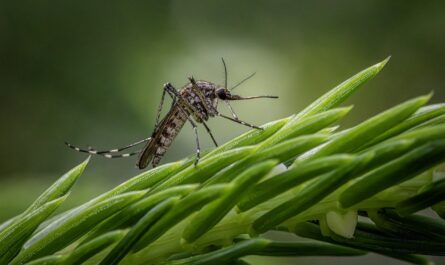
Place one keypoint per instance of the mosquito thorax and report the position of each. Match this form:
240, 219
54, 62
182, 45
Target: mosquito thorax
205, 101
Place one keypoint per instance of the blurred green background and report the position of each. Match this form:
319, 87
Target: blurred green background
92, 72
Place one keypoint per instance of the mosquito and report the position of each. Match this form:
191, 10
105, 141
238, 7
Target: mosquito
196, 102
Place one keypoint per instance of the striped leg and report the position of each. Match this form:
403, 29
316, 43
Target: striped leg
108, 153
121, 155
240, 121
198, 148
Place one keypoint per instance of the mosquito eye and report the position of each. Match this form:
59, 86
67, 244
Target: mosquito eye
221, 94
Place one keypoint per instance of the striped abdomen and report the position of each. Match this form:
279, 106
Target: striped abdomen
163, 137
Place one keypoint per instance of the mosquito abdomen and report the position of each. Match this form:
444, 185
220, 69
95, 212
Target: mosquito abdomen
163, 137
168, 134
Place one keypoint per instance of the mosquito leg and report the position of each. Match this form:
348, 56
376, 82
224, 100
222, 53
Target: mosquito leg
210, 133
198, 148
171, 90
239, 121
173, 101
102, 153
95, 152
158, 115
121, 155
195, 129
231, 110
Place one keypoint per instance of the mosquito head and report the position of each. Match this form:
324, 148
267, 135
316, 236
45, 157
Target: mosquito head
223, 93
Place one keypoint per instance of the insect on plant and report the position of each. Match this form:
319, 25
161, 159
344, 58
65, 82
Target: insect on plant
196, 102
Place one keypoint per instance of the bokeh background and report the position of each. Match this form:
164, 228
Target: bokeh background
91, 72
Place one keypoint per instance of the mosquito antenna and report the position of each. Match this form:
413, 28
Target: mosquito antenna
225, 72
242, 81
